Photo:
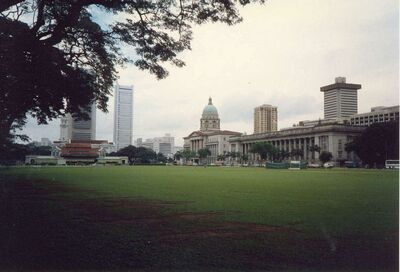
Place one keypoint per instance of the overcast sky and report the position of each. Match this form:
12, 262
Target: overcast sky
281, 54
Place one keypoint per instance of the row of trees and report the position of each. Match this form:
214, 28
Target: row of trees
16, 152
140, 155
269, 151
264, 150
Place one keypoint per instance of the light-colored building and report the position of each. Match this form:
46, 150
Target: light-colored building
123, 116
64, 137
340, 99
45, 142
376, 115
164, 144
331, 137
210, 119
265, 118
78, 128
210, 136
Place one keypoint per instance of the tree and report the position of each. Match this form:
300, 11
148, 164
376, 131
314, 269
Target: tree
297, 152
178, 155
283, 154
137, 154
56, 59
161, 158
314, 148
377, 143
264, 150
203, 153
325, 156
244, 158
188, 154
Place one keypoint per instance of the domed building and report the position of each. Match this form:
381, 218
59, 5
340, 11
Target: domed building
210, 134
209, 119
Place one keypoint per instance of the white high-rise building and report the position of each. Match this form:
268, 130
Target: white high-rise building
340, 99
79, 129
123, 116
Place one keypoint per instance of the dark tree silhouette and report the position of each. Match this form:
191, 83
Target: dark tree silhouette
55, 59
377, 143
325, 156
203, 153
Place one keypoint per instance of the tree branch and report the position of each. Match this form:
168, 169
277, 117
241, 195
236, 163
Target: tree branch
6, 4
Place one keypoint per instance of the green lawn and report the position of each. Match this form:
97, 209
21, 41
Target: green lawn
354, 208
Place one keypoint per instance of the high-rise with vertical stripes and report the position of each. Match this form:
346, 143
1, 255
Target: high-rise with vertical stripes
123, 116
340, 99
265, 118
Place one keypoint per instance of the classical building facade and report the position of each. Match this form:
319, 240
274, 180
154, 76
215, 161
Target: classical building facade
210, 135
331, 137
265, 119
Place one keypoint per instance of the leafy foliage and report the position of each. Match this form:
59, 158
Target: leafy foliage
377, 143
139, 155
325, 156
56, 59
188, 154
265, 150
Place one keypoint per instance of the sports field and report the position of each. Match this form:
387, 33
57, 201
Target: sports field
195, 218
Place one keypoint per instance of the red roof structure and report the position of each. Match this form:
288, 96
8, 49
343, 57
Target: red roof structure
79, 150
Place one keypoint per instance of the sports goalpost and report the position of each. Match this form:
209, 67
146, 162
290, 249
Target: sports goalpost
294, 165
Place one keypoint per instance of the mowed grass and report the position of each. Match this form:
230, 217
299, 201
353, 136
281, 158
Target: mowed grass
195, 218
342, 201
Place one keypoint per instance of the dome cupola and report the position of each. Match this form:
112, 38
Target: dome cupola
209, 119
210, 109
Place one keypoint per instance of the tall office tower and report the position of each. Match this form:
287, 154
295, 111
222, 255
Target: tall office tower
123, 116
265, 118
79, 129
340, 99
64, 129
83, 130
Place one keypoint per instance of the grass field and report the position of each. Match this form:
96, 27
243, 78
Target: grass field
195, 218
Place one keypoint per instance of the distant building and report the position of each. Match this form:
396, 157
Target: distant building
123, 116
329, 136
139, 142
85, 130
340, 99
64, 136
209, 136
45, 142
164, 145
79, 129
265, 119
376, 115
81, 151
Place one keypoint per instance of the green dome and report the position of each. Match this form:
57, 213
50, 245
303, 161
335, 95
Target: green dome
210, 109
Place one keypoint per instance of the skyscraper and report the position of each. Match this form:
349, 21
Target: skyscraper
265, 118
340, 99
79, 129
123, 116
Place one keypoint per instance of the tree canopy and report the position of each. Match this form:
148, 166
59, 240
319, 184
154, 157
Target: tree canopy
264, 150
55, 58
325, 156
377, 143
